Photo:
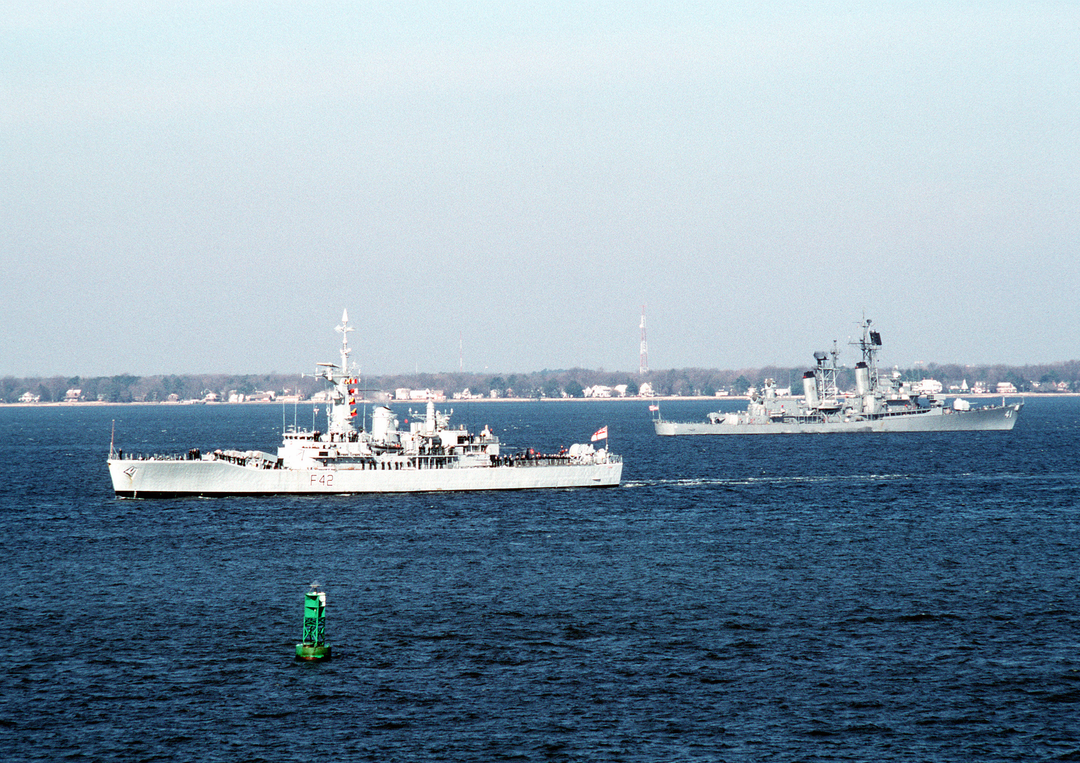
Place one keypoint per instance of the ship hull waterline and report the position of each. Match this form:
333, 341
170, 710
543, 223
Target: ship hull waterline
997, 418
177, 478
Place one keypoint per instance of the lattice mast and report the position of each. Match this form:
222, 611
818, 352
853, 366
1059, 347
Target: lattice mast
643, 367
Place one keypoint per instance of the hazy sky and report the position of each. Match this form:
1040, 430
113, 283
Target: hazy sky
203, 186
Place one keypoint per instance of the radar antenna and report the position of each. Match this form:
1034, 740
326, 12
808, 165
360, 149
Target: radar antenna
869, 345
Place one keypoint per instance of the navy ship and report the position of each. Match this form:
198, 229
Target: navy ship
431, 455
880, 403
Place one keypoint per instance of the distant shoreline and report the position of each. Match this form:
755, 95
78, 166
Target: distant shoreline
668, 399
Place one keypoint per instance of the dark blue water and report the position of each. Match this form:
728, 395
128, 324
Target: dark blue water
861, 597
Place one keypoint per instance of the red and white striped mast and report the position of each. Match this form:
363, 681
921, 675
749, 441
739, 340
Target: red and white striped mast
643, 367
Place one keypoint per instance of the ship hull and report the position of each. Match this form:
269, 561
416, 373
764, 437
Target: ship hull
999, 418
174, 478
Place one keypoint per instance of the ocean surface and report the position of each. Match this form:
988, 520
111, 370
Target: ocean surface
900, 597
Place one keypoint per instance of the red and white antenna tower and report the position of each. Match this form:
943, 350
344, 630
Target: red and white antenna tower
643, 368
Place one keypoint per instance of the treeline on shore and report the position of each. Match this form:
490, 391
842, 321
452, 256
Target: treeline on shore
125, 388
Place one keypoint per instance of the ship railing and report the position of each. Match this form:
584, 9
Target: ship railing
439, 461
567, 460
120, 455
542, 461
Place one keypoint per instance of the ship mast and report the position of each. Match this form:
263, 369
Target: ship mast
344, 330
869, 344
825, 373
340, 412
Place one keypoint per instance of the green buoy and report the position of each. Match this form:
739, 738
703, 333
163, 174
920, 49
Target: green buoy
313, 647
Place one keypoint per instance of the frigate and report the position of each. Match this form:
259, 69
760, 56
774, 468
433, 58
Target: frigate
879, 403
431, 455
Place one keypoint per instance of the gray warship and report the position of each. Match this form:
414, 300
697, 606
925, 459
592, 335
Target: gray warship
431, 456
880, 404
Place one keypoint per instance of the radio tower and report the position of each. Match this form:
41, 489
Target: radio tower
643, 368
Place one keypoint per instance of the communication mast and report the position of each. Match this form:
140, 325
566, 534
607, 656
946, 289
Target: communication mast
643, 368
